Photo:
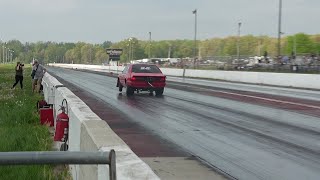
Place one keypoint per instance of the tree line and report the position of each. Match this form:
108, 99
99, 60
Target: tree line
133, 48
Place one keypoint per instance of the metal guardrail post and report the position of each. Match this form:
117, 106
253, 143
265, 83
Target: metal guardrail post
61, 157
112, 165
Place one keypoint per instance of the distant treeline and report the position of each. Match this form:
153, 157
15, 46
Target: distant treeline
137, 49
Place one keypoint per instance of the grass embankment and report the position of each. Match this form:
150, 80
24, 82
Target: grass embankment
20, 129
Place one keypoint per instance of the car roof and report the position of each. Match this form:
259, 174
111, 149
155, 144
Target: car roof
144, 64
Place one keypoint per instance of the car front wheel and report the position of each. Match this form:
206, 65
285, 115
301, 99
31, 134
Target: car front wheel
120, 86
159, 91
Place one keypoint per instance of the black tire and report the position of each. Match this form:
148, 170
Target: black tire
129, 91
159, 92
151, 93
120, 87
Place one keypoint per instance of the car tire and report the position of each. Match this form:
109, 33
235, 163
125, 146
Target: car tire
120, 87
129, 91
151, 93
159, 92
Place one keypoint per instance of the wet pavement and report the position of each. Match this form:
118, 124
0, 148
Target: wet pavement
245, 133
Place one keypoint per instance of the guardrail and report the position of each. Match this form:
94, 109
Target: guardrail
58, 157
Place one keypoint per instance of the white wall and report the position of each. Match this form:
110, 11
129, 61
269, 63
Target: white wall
278, 79
87, 132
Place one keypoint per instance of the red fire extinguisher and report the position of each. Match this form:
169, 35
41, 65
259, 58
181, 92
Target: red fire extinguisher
62, 125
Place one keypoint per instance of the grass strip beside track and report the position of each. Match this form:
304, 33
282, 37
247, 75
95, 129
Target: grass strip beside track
20, 129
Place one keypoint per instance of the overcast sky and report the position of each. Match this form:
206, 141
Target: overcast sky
96, 21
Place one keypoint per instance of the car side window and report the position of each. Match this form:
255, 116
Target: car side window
125, 70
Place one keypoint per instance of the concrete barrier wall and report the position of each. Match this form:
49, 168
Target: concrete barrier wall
87, 132
278, 79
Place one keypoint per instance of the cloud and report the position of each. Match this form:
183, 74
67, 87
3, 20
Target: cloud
38, 6
99, 20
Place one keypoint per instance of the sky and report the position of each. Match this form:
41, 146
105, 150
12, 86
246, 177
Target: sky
96, 21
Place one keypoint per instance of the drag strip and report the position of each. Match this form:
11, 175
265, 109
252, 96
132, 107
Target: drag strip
241, 132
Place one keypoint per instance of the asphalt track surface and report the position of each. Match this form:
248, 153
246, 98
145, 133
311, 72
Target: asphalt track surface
246, 131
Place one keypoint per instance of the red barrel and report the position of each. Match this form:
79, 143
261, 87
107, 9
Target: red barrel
46, 116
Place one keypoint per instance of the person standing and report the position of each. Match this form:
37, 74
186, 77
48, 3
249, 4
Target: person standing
38, 75
19, 75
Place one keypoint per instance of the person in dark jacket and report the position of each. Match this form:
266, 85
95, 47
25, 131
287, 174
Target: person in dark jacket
19, 75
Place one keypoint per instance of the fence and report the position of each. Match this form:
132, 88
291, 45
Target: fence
59, 157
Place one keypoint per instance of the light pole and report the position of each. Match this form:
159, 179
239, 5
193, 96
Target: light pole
90, 54
295, 45
195, 38
3, 53
149, 54
2, 46
130, 49
279, 29
128, 53
238, 42
169, 51
12, 51
7, 56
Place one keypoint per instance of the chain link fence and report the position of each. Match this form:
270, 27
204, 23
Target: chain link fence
302, 63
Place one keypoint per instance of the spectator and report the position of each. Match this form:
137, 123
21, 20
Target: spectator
285, 60
37, 79
19, 75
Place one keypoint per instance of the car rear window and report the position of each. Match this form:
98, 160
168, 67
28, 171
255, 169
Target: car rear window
142, 68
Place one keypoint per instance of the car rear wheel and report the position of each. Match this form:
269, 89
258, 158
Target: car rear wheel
159, 91
150, 93
129, 91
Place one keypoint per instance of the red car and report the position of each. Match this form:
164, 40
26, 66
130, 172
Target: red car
142, 77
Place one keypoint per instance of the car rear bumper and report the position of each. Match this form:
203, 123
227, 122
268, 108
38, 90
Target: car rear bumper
146, 85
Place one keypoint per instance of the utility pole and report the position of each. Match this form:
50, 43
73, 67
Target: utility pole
238, 42
295, 45
260, 46
3, 53
149, 54
128, 53
130, 49
279, 29
7, 54
2, 46
12, 56
195, 38
169, 51
90, 55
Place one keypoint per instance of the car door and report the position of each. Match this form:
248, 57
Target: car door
123, 75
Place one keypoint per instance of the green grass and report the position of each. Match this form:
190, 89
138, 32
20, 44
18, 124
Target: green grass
20, 129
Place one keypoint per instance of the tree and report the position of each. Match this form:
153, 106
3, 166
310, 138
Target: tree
101, 56
302, 42
106, 44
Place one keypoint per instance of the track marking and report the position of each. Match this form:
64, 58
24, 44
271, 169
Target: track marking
257, 97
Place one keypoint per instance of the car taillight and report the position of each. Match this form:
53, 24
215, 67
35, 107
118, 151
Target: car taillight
133, 78
163, 78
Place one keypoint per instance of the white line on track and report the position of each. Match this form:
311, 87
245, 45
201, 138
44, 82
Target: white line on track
256, 97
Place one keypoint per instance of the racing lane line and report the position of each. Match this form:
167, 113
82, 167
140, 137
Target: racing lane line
256, 97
